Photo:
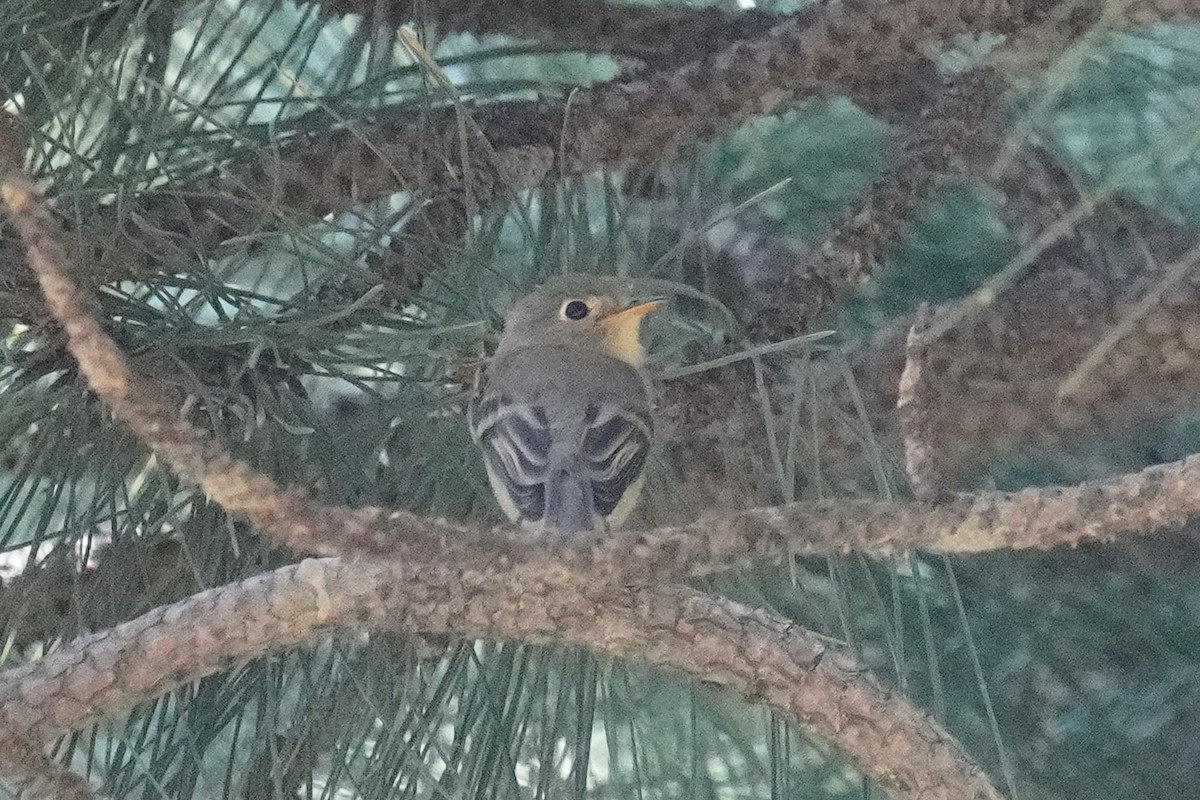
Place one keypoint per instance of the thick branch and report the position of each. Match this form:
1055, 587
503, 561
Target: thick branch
1157, 498
762, 658
659, 35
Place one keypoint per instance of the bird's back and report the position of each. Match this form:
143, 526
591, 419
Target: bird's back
565, 433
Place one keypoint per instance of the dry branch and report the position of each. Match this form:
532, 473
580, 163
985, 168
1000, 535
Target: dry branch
762, 658
920, 454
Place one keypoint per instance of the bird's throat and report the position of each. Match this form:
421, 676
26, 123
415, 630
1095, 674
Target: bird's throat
623, 340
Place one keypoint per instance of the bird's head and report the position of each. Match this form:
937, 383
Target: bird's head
588, 311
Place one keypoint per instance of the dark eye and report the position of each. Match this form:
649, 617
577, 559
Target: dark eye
576, 310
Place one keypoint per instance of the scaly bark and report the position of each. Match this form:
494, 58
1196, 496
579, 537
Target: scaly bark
658, 35
762, 658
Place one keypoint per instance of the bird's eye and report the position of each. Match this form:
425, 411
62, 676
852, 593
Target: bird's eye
575, 310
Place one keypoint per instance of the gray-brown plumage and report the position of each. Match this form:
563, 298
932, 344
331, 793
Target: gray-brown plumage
563, 416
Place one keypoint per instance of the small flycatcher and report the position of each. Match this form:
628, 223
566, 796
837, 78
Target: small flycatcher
563, 416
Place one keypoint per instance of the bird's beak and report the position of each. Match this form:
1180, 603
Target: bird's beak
633, 312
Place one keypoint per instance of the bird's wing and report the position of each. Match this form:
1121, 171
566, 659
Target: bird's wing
516, 442
616, 443
521, 453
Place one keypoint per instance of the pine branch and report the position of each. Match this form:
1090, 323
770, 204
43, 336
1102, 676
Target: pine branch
654, 35
1073, 349
1152, 499
949, 133
762, 658
952, 128
863, 51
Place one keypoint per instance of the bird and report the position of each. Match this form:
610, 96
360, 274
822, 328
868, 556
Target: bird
563, 411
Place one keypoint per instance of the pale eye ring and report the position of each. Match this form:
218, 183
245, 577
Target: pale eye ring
575, 310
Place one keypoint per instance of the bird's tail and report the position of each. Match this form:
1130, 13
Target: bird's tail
569, 503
